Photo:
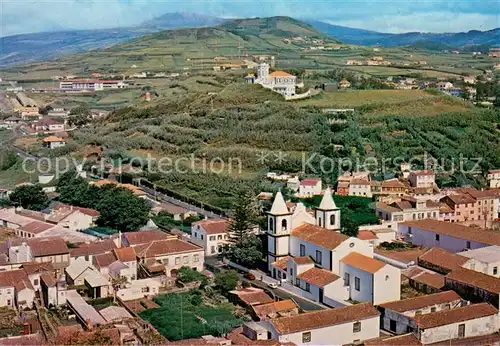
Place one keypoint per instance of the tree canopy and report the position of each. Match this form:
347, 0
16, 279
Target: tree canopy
29, 197
226, 281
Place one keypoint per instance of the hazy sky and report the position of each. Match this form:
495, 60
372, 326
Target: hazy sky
23, 16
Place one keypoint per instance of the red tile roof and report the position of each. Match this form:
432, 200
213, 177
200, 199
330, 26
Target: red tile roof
302, 260
213, 226
441, 258
281, 263
143, 237
457, 231
319, 236
417, 303
310, 181
323, 318
318, 277
16, 278
253, 296
365, 263
476, 279
126, 254
165, 247
398, 340
422, 173
35, 267
280, 74
103, 260
36, 227
434, 280
366, 235
86, 211
93, 248
41, 247
445, 317
264, 310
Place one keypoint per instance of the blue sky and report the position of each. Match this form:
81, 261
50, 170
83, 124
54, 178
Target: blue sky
23, 16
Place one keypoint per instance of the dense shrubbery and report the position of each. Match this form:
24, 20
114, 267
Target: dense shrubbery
183, 316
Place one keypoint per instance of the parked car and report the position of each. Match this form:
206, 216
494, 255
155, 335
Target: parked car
250, 276
272, 285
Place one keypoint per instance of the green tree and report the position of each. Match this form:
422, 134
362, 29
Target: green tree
226, 281
187, 274
121, 209
349, 227
5, 202
79, 116
29, 197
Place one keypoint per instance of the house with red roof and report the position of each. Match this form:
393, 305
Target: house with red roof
72, 217
281, 82
211, 235
310, 187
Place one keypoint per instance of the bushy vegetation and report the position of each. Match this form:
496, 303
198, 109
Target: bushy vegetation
166, 220
29, 197
119, 208
184, 315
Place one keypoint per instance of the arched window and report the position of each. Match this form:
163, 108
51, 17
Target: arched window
332, 219
283, 225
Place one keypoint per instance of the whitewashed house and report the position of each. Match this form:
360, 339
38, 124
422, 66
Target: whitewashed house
140, 289
279, 81
77, 272
449, 236
465, 322
370, 280
422, 179
211, 235
310, 187
340, 326
485, 260
398, 316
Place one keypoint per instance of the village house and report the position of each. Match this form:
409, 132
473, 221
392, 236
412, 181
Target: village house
249, 296
16, 290
370, 280
469, 80
346, 325
391, 187
87, 251
405, 339
422, 179
406, 209
53, 142
464, 322
398, 316
344, 84
444, 86
119, 264
53, 290
138, 289
132, 239
452, 237
178, 213
75, 218
485, 260
278, 81
474, 286
211, 235
360, 187
168, 256
494, 178
469, 206
58, 112
48, 125
98, 286
310, 187
77, 271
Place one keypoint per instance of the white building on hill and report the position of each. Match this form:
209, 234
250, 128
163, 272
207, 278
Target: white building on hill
278, 81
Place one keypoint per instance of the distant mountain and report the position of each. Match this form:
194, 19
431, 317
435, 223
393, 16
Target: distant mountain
178, 20
277, 26
26, 48
436, 40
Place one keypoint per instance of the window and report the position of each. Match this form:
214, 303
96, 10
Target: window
297, 282
332, 219
356, 283
35, 282
271, 224
392, 325
145, 289
346, 279
212, 238
387, 278
437, 237
212, 249
165, 261
418, 312
219, 237
461, 330
495, 270
283, 225
447, 307
409, 228
196, 258
196, 234
409, 329
318, 257
291, 271
306, 337
302, 250
433, 309
308, 287
177, 260
356, 327
468, 245
201, 235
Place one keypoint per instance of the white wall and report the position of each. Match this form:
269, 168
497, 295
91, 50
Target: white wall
28, 296
7, 297
139, 289
77, 221
340, 334
476, 327
348, 246
194, 259
387, 285
426, 238
365, 292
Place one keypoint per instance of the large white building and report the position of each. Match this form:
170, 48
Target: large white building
306, 253
278, 81
91, 85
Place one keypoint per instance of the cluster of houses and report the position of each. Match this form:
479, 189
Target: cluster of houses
374, 61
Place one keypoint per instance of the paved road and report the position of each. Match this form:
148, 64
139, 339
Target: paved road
157, 195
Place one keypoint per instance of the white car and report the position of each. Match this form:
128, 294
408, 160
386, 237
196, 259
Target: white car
272, 285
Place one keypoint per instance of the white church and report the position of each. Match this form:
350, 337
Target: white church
279, 81
309, 256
